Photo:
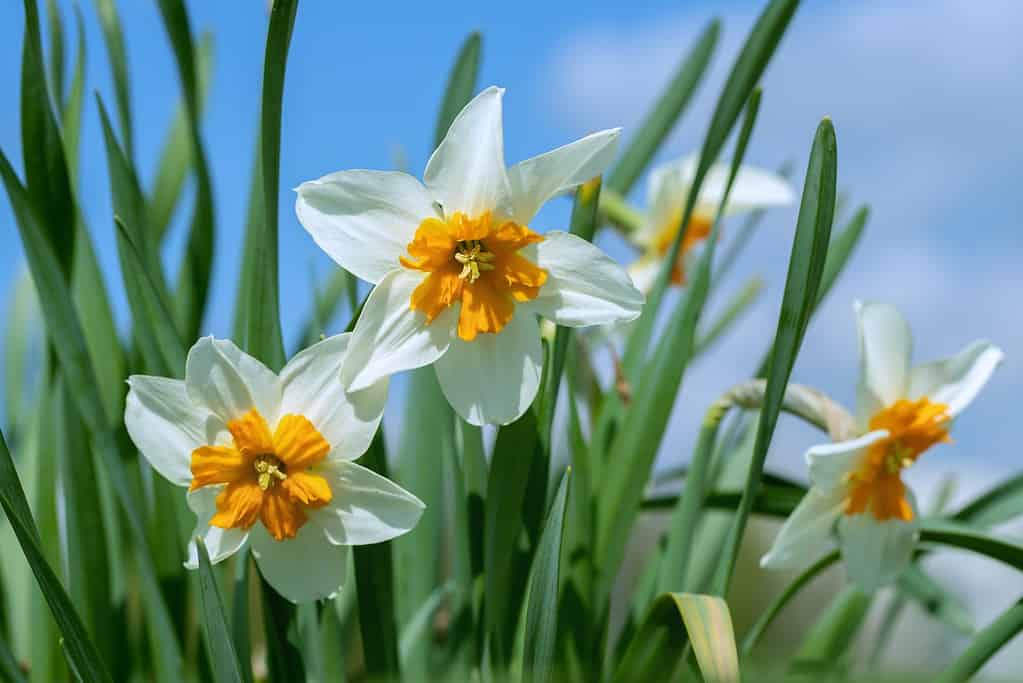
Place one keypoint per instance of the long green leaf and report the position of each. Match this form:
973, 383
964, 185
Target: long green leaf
460, 86
541, 615
117, 55
666, 112
802, 284
506, 494
263, 339
56, 66
988, 642
749, 66
197, 265
833, 635
176, 158
240, 614
967, 538
1002, 503
648, 415
374, 579
82, 654
675, 620
223, 659
46, 170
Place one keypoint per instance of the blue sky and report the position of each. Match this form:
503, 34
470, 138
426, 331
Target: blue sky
924, 95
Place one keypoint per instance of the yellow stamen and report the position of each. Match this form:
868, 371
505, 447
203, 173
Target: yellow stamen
267, 475
876, 484
474, 261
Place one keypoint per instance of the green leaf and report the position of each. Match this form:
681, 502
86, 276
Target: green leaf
81, 653
326, 304
240, 614
263, 339
648, 415
254, 228
841, 249
46, 169
176, 158
503, 521
1002, 503
418, 628
831, 638
23, 332
113, 36
658, 123
768, 615
988, 642
197, 265
374, 579
56, 66
427, 436
802, 284
541, 605
749, 66
280, 622
87, 557
935, 599
967, 538
739, 305
9, 669
675, 620
155, 333
223, 659
461, 84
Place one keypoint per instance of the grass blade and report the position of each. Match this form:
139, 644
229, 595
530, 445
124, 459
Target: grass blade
675, 620
223, 659
746, 72
374, 579
1002, 503
240, 614
113, 36
802, 284
263, 338
541, 613
461, 84
503, 521
666, 113
197, 266
56, 66
46, 171
966, 538
987, 643
81, 653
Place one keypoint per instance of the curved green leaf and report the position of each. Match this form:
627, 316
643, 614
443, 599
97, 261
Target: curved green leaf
223, 659
461, 84
675, 620
987, 643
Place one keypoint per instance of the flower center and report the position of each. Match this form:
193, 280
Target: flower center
876, 484
269, 470
474, 261
265, 476
474, 258
699, 229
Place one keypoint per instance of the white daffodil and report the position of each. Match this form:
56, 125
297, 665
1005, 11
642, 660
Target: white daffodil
268, 459
460, 278
857, 497
668, 189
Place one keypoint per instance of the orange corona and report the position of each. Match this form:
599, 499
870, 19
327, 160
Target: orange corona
699, 230
474, 261
267, 475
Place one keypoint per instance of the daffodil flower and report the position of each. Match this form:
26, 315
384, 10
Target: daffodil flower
668, 189
267, 459
460, 276
857, 497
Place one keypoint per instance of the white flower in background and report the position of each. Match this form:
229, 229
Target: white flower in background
857, 496
668, 189
460, 278
268, 459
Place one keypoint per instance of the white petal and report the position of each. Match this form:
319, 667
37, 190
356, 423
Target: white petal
643, 272
366, 507
829, 463
220, 543
390, 337
534, 181
229, 382
956, 381
166, 426
311, 386
494, 378
753, 188
466, 172
364, 220
874, 552
584, 286
304, 568
886, 344
666, 196
807, 534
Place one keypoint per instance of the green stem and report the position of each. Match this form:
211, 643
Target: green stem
619, 213
987, 643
